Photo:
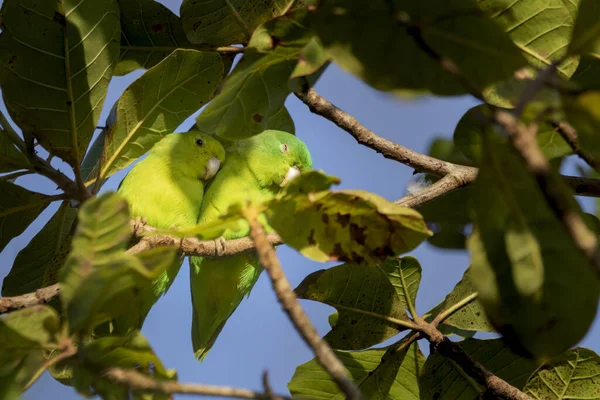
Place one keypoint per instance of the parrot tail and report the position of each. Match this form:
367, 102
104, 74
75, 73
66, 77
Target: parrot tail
218, 286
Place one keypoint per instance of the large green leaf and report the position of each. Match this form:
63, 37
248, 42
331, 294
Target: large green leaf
37, 265
403, 271
583, 113
224, 22
586, 33
156, 104
355, 291
149, 33
128, 352
573, 375
380, 374
348, 225
378, 41
470, 130
467, 320
519, 251
57, 61
253, 96
443, 379
26, 330
541, 29
99, 280
18, 208
11, 158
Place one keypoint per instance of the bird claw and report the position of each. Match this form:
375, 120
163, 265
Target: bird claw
138, 224
220, 245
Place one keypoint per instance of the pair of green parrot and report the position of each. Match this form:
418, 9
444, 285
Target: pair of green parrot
169, 188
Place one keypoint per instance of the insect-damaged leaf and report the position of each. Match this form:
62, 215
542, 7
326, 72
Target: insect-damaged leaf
519, 250
156, 104
380, 374
225, 22
56, 65
350, 225
573, 375
470, 318
355, 291
441, 378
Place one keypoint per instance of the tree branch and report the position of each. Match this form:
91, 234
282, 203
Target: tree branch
189, 246
569, 134
458, 175
287, 298
453, 351
137, 381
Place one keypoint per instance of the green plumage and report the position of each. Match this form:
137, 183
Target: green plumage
254, 171
166, 188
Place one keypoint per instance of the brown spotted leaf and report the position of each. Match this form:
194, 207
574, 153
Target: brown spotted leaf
349, 225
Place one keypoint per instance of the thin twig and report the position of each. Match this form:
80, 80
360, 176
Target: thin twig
569, 134
14, 136
324, 355
441, 317
15, 175
220, 49
139, 382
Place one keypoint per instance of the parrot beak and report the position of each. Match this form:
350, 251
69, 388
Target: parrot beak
292, 173
212, 167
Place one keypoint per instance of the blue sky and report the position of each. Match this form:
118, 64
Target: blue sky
259, 336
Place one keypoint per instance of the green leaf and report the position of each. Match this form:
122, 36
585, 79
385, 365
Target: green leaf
310, 182
100, 281
11, 158
470, 318
469, 132
128, 352
583, 113
30, 329
541, 29
401, 271
253, 95
441, 378
350, 225
356, 291
18, 208
573, 375
37, 265
519, 251
77, 43
379, 43
311, 59
587, 74
156, 104
586, 33
225, 22
149, 33
380, 374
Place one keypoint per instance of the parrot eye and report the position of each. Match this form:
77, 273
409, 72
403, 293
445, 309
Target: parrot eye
200, 142
284, 148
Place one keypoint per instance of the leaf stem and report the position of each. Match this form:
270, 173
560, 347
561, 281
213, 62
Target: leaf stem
14, 136
70, 350
441, 317
395, 321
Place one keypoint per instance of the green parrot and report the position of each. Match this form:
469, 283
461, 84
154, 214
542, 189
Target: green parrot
166, 187
255, 170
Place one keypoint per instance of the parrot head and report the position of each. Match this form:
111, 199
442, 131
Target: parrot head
276, 157
197, 154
